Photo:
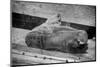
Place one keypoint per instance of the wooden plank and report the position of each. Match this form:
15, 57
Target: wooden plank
31, 60
70, 57
43, 57
45, 52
